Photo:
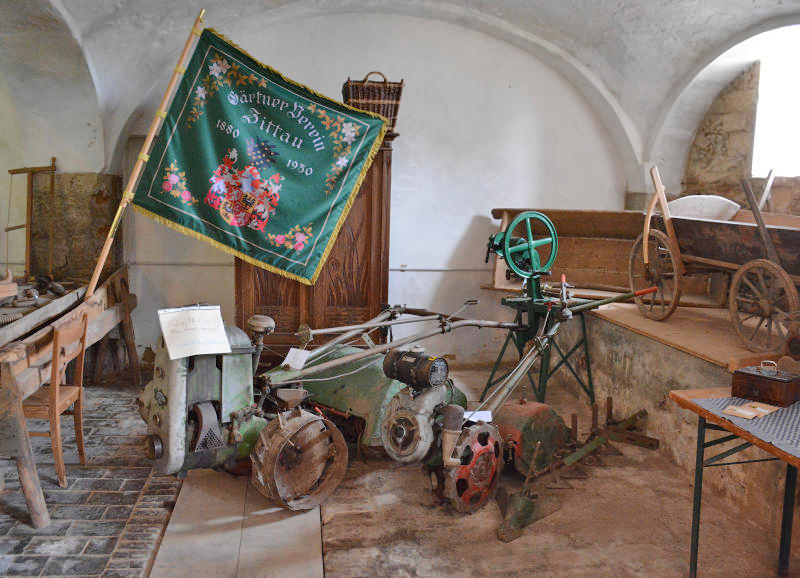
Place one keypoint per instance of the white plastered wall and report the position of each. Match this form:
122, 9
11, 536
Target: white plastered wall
12, 243
482, 124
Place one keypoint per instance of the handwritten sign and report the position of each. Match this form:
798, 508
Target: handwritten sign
194, 330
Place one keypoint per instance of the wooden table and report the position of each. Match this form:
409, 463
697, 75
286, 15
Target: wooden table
25, 367
709, 421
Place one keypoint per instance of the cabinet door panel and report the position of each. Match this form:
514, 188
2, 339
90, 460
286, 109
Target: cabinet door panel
353, 283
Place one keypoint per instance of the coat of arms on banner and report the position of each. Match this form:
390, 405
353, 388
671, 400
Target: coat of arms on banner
244, 197
256, 164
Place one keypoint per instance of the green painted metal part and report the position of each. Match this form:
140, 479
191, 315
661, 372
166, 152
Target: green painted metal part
249, 430
228, 455
531, 311
457, 396
364, 394
520, 253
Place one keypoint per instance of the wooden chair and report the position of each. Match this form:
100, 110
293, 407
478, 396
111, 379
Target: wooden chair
49, 402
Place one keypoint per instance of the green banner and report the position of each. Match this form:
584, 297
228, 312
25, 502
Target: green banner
256, 164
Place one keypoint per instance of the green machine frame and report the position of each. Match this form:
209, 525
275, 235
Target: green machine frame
533, 308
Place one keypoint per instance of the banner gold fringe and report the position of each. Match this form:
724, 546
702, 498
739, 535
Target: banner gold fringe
222, 247
293, 83
345, 211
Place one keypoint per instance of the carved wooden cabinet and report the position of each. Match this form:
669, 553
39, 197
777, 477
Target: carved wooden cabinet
353, 283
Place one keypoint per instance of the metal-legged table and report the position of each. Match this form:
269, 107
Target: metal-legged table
710, 421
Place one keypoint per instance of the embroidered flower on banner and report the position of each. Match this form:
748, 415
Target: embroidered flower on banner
348, 132
218, 67
220, 73
342, 134
174, 183
297, 238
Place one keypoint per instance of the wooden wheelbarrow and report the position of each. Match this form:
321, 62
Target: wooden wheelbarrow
759, 253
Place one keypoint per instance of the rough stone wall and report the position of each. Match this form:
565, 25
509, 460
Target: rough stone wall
83, 209
722, 151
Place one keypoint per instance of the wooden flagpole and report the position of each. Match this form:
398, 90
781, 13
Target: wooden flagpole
143, 157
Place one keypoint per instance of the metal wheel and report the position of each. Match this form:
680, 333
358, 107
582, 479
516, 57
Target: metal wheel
299, 460
473, 483
407, 436
662, 272
520, 252
763, 304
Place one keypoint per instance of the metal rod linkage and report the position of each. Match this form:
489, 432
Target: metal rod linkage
298, 375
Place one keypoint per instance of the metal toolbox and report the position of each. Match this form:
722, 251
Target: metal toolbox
767, 384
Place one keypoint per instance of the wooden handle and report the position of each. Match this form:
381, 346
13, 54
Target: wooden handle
366, 78
127, 195
661, 196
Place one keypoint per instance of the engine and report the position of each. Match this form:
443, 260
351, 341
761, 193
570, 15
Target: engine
201, 412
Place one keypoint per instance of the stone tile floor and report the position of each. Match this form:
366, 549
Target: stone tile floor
109, 519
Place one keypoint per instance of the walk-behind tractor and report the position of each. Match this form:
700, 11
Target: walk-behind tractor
202, 410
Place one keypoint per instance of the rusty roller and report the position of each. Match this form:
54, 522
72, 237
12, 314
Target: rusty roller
299, 459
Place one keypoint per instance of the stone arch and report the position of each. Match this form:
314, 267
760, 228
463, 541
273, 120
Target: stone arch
52, 90
674, 132
622, 132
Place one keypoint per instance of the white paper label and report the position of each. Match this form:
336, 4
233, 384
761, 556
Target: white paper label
483, 415
194, 330
296, 358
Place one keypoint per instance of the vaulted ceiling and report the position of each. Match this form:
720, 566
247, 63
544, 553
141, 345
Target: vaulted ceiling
631, 59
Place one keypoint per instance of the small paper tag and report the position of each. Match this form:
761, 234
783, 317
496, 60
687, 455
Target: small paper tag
740, 411
368, 340
296, 358
761, 409
483, 415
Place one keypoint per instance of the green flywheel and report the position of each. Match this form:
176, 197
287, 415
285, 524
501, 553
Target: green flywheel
521, 253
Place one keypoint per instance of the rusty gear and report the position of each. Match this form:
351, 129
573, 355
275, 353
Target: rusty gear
469, 486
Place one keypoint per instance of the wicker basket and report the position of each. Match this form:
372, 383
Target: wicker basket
374, 96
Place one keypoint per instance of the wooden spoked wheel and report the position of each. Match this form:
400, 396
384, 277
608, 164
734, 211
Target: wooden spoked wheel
661, 272
763, 304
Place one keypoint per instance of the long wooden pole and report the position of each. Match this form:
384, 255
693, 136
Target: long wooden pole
143, 157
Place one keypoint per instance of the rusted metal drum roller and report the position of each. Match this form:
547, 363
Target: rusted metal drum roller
299, 459
522, 425
473, 483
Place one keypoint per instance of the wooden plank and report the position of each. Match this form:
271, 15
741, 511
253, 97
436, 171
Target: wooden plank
38, 370
771, 219
582, 223
38, 344
39, 317
277, 542
704, 333
8, 290
594, 247
204, 532
594, 252
734, 242
221, 526
685, 399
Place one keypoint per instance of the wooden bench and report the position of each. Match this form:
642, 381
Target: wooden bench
25, 367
